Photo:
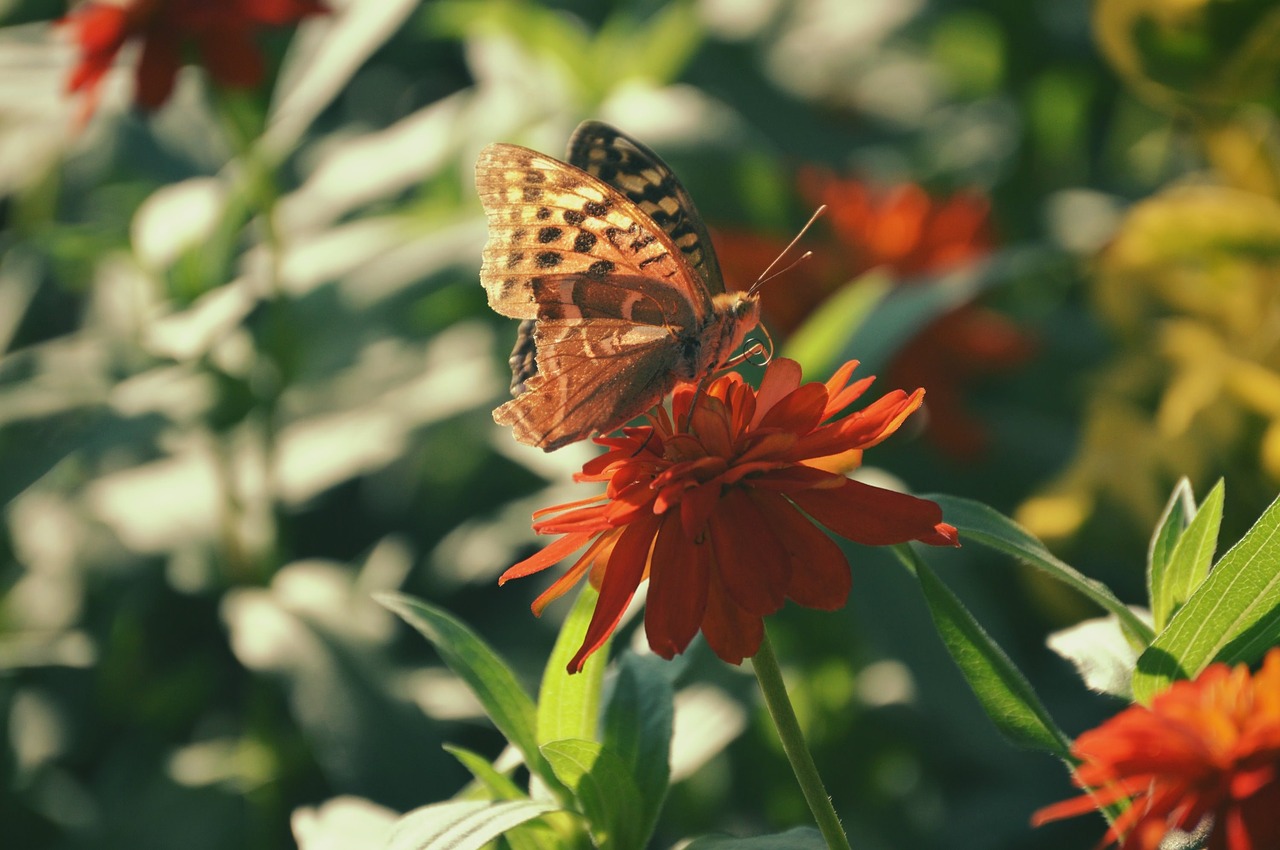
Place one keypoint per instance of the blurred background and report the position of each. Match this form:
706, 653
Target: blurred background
248, 366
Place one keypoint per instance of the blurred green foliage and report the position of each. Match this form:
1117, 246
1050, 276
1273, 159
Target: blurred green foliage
247, 372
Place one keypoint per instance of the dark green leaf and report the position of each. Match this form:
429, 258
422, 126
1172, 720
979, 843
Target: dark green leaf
637, 726
1005, 694
801, 838
984, 525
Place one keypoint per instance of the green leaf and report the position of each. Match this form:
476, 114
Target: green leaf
801, 838
1102, 656
604, 789
488, 676
637, 727
498, 784
1005, 694
984, 525
569, 704
461, 825
500, 787
1177, 513
817, 343
1191, 559
1233, 616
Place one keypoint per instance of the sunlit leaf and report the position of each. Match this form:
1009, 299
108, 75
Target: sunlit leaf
1233, 616
461, 825
1005, 694
1189, 562
569, 704
604, 789
488, 676
500, 787
1102, 656
1173, 521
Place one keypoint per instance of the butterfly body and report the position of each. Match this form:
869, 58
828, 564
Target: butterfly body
612, 271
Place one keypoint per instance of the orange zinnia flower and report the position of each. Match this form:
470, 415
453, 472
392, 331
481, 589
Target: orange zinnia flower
1205, 748
708, 507
222, 31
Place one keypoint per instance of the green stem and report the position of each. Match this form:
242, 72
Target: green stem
769, 675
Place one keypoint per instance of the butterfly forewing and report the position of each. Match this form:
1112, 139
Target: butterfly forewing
642, 176
548, 219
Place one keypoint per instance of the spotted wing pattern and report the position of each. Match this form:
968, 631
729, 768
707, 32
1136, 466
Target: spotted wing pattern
609, 290
637, 172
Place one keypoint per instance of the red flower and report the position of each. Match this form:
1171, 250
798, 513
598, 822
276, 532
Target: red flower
1208, 747
708, 508
222, 31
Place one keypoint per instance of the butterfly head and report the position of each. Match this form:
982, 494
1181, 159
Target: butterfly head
734, 315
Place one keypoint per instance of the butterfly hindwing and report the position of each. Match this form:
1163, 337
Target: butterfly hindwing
601, 371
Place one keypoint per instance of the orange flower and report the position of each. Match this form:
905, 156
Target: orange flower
912, 235
222, 31
1208, 747
708, 507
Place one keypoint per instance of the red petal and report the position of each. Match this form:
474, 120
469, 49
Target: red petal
553, 553
156, 70
732, 633
625, 568
800, 412
752, 563
874, 516
233, 60
781, 378
696, 507
597, 552
677, 590
820, 576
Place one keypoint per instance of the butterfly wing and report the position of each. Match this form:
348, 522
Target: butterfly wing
566, 248
638, 173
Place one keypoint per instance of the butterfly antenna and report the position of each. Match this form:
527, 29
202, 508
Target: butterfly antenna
765, 275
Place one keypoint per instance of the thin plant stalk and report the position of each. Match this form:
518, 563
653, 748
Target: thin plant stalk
769, 675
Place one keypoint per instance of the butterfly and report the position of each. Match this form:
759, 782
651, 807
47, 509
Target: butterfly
609, 265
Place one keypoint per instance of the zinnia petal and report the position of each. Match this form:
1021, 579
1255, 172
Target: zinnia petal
820, 576
677, 589
754, 566
626, 567
874, 516
732, 633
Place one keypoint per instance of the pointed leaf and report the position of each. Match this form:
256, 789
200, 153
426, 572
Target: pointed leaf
606, 794
1177, 513
1005, 694
1233, 616
801, 838
569, 704
985, 525
1189, 564
500, 787
638, 727
488, 676
461, 825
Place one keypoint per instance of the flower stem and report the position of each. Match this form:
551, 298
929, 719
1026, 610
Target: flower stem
769, 675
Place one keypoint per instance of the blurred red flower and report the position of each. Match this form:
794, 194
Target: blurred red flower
1205, 748
221, 30
912, 235
708, 507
